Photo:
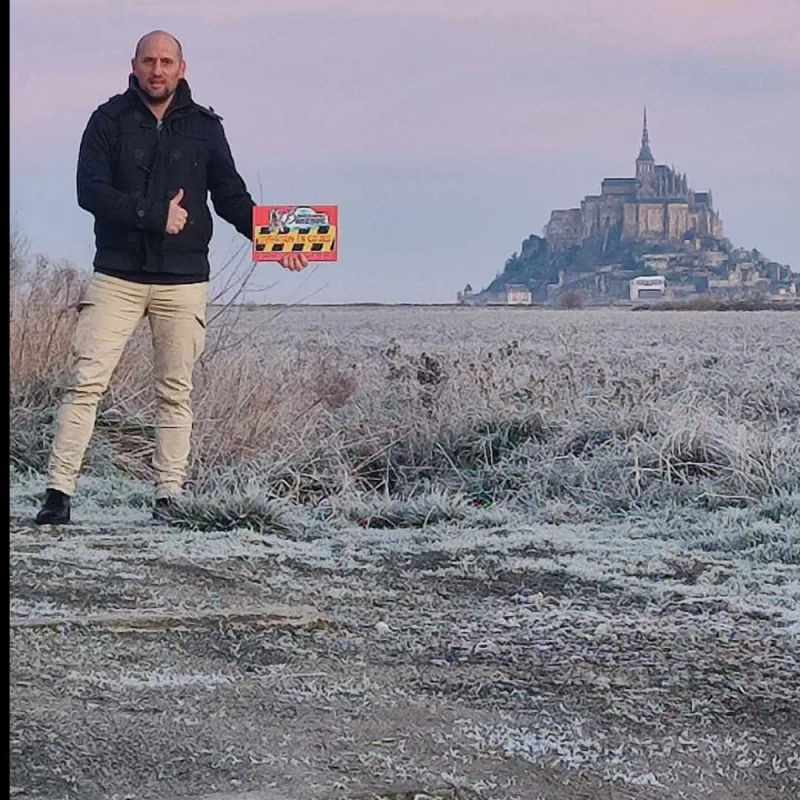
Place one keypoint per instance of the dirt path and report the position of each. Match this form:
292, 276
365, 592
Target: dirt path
148, 663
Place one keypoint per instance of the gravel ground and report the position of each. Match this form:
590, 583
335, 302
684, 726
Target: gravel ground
496, 658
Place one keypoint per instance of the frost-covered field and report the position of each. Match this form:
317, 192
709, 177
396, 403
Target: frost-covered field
492, 553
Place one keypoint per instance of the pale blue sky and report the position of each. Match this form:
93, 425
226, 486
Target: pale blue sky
446, 130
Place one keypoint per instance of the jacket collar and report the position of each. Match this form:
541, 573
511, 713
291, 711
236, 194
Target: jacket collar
181, 99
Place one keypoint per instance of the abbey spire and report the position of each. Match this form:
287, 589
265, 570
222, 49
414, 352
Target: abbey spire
646, 164
644, 153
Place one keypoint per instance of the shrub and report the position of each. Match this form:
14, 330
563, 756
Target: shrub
571, 300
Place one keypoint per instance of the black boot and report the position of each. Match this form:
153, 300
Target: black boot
161, 509
55, 509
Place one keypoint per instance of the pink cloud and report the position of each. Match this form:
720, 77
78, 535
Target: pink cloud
526, 82
735, 27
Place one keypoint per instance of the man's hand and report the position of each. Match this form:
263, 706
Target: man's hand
177, 216
294, 262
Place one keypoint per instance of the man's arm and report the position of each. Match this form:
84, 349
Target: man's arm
97, 195
231, 199
228, 191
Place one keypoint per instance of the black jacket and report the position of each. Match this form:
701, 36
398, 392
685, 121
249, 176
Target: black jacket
129, 167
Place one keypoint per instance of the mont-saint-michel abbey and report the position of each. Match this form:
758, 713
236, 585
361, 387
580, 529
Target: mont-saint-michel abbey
655, 205
651, 229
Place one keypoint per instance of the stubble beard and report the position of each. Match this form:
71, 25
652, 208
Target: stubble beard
160, 99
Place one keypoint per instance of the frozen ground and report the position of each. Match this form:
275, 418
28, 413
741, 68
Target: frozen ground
486, 553
496, 657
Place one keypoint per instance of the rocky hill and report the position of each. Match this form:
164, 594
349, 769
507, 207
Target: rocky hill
603, 274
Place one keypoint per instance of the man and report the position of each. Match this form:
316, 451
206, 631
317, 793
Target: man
148, 160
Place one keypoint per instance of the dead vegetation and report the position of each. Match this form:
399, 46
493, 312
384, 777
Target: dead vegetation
562, 407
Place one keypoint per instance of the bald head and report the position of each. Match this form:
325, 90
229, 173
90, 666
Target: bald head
153, 34
158, 66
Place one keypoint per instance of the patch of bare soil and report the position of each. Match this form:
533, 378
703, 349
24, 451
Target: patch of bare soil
150, 663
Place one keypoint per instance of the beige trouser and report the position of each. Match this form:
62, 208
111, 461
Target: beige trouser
109, 312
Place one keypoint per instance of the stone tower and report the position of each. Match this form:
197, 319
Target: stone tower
646, 164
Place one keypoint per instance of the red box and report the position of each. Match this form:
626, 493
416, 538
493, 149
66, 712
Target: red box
310, 230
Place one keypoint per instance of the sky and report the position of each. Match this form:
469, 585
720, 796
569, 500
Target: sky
445, 130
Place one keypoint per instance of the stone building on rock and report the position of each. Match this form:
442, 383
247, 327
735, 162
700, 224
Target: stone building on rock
656, 205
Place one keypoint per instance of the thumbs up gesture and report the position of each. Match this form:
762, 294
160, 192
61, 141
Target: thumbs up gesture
178, 215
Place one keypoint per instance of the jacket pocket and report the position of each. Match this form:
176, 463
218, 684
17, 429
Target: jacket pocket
82, 335
199, 342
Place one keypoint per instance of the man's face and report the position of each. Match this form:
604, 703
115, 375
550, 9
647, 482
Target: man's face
158, 68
